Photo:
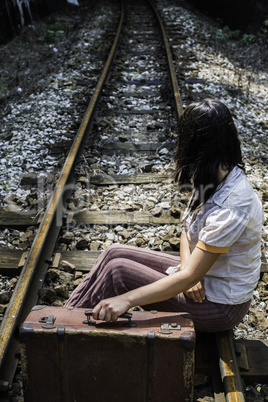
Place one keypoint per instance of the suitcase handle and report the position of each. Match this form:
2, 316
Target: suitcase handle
128, 316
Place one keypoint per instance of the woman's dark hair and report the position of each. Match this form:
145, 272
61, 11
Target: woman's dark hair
207, 139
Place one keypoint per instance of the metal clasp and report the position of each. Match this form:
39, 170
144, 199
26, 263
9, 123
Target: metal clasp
47, 322
88, 321
166, 328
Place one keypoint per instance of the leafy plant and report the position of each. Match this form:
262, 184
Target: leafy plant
226, 34
3, 84
59, 26
247, 38
48, 37
51, 34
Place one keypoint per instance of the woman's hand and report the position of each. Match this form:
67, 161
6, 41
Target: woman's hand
196, 293
110, 309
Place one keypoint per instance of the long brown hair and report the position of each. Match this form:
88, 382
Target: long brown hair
207, 139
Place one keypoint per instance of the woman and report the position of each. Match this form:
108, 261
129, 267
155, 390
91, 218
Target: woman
219, 264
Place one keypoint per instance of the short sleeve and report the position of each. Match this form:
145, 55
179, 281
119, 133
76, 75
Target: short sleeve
221, 229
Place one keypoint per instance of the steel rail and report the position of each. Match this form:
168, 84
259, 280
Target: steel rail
229, 370
33, 272
174, 82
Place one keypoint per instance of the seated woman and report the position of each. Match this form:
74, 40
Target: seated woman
219, 263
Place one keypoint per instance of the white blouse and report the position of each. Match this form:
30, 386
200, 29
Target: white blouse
230, 223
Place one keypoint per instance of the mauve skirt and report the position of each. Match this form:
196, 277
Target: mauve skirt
122, 268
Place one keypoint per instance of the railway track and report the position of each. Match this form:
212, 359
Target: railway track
129, 121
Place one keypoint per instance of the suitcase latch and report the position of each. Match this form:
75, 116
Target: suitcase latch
47, 322
167, 328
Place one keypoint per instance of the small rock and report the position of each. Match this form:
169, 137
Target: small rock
78, 274
149, 205
81, 244
263, 294
77, 282
145, 168
175, 242
125, 234
140, 242
67, 238
265, 278
5, 297
175, 212
57, 303
3, 308
48, 295
157, 211
53, 274
258, 319
107, 244
66, 278
62, 291
94, 246
67, 266
166, 246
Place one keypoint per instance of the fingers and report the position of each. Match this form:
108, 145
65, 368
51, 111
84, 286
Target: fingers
105, 311
196, 293
196, 296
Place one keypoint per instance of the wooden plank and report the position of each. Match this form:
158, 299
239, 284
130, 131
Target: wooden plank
10, 261
131, 147
111, 217
257, 356
146, 93
18, 219
137, 111
82, 260
143, 146
104, 180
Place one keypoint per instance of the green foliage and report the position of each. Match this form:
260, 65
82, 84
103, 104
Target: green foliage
59, 26
246, 38
3, 84
4, 186
226, 35
51, 34
48, 37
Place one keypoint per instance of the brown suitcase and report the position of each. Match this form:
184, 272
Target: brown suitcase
147, 356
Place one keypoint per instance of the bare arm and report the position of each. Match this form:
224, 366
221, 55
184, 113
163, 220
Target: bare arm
196, 267
196, 292
184, 249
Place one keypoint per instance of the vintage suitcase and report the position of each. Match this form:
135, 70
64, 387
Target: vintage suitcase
146, 356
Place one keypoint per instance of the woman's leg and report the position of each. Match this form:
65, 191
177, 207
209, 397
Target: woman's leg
152, 259
207, 316
113, 275
120, 264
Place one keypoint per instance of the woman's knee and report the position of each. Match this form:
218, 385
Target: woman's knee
116, 251
110, 253
117, 266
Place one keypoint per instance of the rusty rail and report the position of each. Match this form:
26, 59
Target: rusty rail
33, 273
174, 83
228, 366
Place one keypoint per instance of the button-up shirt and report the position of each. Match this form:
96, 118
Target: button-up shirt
229, 223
